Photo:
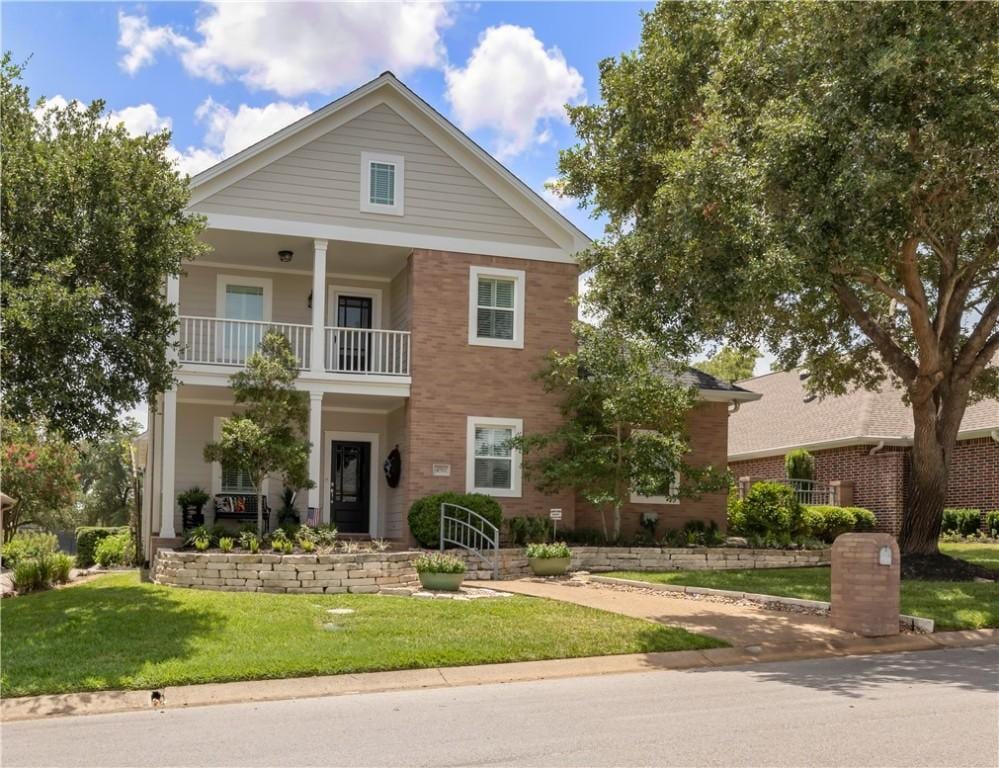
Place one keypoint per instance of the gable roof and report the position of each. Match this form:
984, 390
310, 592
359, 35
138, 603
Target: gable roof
447, 136
783, 419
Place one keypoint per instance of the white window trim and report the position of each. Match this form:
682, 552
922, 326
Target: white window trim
519, 295
335, 292
257, 282
217, 466
398, 192
673, 498
374, 472
514, 492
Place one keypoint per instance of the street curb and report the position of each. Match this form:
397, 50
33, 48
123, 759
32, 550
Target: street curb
915, 623
180, 697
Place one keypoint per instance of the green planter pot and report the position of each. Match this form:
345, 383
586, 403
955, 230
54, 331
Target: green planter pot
442, 582
549, 566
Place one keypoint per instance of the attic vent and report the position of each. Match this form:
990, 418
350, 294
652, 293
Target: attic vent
804, 373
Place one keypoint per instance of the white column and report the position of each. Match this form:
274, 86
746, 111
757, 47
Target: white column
316, 452
318, 359
168, 486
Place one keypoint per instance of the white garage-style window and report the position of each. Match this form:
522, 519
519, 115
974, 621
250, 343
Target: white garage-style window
382, 183
493, 465
496, 307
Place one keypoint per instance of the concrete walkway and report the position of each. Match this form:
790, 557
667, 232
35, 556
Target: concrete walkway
740, 625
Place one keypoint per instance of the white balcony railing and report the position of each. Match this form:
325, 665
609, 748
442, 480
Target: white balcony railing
367, 351
216, 341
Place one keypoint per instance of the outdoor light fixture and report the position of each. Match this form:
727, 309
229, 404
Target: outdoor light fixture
285, 256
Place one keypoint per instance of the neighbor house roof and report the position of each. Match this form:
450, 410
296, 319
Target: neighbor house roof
785, 418
387, 88
711, 388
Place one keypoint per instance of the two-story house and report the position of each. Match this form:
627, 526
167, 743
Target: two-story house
420, 285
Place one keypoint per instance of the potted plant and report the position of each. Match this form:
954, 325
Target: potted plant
549, 559
438, 571
191, 502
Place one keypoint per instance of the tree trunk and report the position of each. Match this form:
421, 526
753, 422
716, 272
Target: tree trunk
260, 511
617, 521
934, 438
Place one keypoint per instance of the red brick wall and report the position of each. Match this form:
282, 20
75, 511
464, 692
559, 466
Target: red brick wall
881, 481
453, 379
707, 428
974, 475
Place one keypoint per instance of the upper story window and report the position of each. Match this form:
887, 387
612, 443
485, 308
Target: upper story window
496, 307
382, 179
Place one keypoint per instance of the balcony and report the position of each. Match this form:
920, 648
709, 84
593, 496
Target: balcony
358, 351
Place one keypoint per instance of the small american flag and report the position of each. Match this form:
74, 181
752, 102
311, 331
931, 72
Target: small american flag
312, 517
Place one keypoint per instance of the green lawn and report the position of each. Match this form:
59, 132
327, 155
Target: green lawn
115, 632
952, 605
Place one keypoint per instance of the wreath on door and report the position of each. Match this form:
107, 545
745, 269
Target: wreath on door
393, 467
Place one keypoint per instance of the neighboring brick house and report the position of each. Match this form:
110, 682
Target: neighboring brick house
420, 284
863, 438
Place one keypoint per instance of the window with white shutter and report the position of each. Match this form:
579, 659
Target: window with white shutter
496, 307
382, 179
493, 464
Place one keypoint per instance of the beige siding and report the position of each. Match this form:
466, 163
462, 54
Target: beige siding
289, 293
320, 183
396, 526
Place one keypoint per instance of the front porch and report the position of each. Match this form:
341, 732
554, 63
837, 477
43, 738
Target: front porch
351, 435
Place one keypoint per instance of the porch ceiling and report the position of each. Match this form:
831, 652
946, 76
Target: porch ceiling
260, 251
222, 398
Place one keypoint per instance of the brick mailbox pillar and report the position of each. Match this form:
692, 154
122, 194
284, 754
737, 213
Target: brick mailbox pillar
865, 584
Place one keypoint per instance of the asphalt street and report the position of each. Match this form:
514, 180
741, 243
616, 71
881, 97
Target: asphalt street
936, 708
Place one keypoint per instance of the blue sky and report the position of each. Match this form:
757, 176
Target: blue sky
194, 66
222, 76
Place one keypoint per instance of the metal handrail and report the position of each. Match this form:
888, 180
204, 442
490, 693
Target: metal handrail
473, 533
807, 491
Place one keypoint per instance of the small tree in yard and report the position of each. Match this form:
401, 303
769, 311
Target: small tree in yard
266, 437
730, 364
819, 177
37, 469
799, 464
623, 429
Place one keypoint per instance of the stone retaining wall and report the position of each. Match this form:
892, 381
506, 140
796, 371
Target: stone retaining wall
366, 572
370, 572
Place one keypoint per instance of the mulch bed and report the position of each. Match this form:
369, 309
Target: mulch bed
940, 567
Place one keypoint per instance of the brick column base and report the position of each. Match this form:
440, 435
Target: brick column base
866, 590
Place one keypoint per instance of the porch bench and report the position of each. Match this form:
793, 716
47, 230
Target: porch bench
240, 507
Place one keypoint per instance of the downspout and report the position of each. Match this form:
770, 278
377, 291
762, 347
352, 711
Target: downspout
881, 444
733, 407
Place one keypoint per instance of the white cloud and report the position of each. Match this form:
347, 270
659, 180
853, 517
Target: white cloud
140, 120
228, 132
550, 192
511, 84
296, 48
142, 42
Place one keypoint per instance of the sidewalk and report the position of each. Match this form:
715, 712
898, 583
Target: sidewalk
740, 625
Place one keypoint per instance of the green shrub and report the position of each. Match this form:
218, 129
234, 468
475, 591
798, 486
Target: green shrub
799, 464
28, 544
586, 537
736, 516
60, 566
865, 519
526, 529
826, 522
115, 550
87, 539
425, 514
964, 522
548, 551
992, 523
226, 544
326, 535
771, 509
27, 575
438, 562
250, 541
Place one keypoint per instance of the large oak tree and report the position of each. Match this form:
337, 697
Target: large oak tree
93, 220
819, 177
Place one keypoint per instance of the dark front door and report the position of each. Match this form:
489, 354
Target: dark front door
354, 312
351, 468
